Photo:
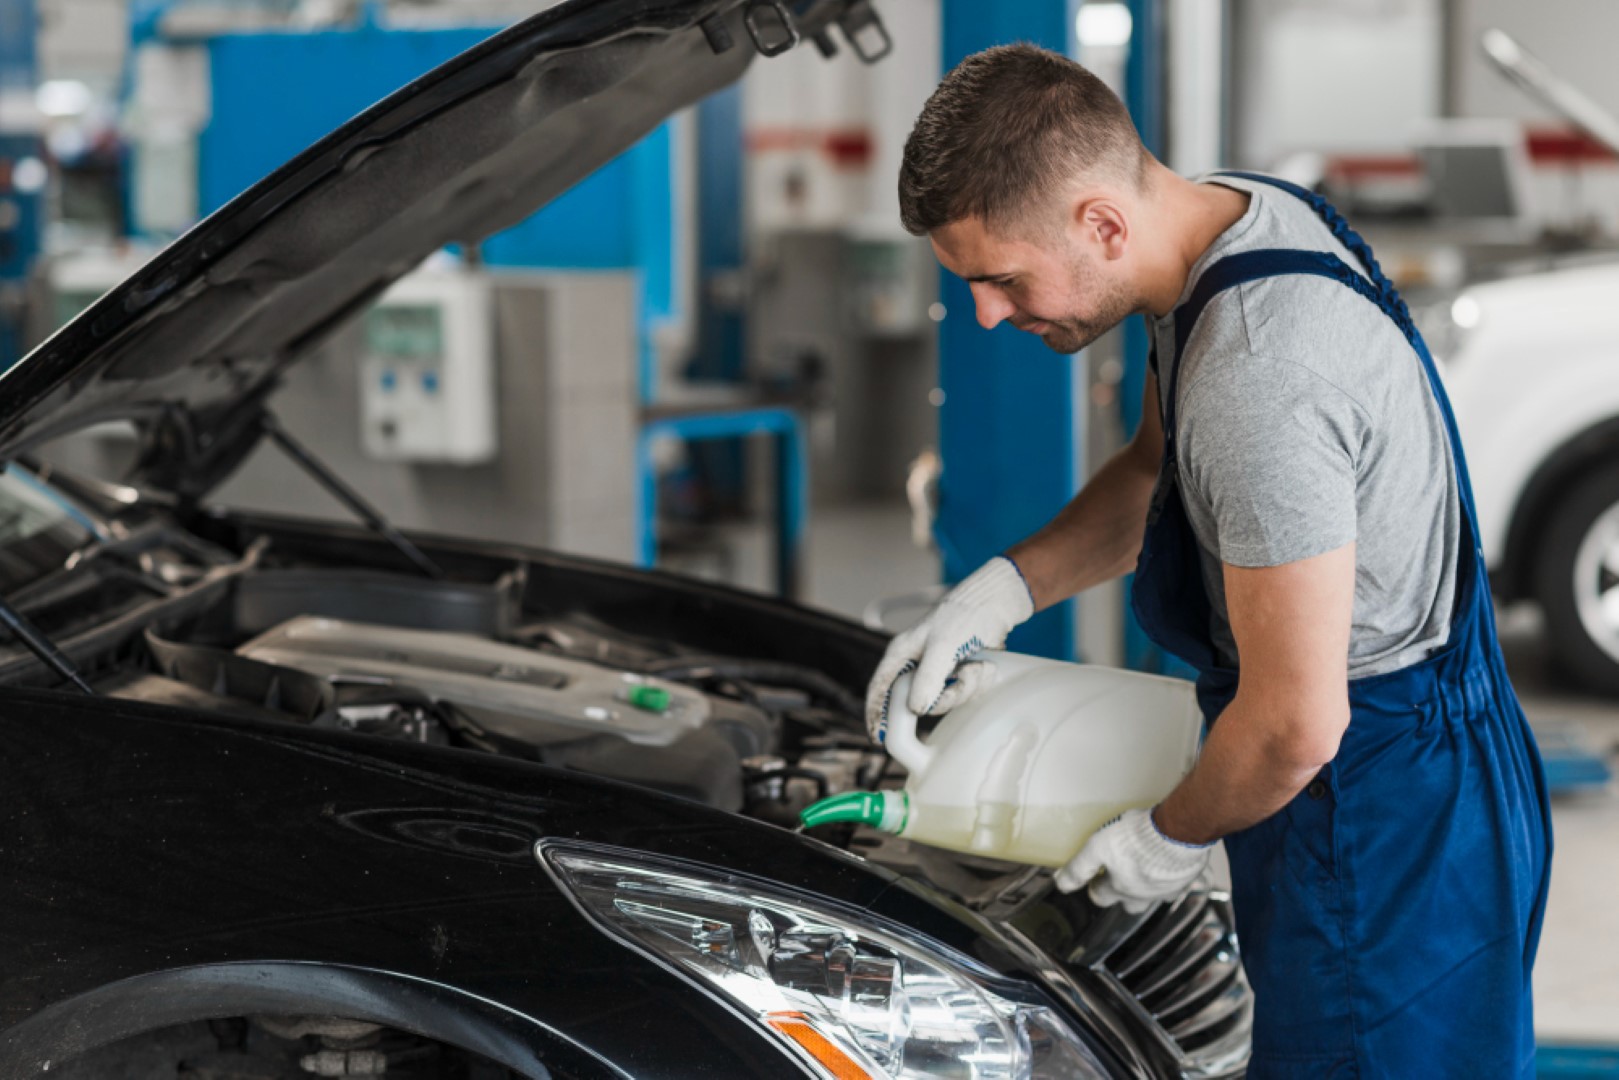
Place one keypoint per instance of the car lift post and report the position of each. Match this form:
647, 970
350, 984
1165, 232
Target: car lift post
22, 172
1010, 427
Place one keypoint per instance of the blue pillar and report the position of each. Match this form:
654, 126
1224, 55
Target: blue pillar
721, 331
21, 189
721, 355
19, 34
1143, 95
1009, 429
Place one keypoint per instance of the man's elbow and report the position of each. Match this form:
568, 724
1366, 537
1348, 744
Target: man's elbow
1305, 743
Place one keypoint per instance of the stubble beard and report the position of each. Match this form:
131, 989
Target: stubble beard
1069, 335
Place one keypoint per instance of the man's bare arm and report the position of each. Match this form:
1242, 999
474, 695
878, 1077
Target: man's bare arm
1097, 536
1291, 625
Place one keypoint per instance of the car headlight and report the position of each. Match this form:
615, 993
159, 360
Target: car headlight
850, 998
1447, 325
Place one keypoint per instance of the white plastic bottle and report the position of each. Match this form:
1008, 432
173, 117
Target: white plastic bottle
1033, 764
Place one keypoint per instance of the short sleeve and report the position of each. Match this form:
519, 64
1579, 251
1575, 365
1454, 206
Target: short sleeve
1269, 450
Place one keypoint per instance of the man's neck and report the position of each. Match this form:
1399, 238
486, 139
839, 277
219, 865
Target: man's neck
1189, 217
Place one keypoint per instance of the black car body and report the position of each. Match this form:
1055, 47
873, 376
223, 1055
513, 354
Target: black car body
229, 863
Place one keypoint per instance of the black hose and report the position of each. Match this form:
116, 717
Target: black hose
774, 672
42, 647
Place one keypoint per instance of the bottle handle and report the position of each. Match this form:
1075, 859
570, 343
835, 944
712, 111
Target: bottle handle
901, 742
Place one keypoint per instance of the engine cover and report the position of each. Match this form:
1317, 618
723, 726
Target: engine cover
554, 709
510, 691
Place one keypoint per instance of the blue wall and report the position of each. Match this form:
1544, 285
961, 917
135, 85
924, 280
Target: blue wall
274, 93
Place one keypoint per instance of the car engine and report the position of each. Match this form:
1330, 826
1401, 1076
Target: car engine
455, 663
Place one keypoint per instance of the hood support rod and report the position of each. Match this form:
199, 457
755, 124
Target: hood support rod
41, 646
340, 490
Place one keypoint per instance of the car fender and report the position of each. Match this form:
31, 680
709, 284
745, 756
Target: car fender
161, 999
210, 842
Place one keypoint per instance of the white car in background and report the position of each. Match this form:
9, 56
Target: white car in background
1532, 367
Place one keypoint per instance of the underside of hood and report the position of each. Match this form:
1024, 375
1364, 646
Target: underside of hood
190, 346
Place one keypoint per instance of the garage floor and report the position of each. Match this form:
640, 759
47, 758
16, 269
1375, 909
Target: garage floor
861, 552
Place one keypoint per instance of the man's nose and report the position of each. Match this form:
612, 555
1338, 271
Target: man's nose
992, 307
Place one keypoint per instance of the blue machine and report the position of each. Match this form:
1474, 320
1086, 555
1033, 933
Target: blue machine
729, 426
22, 173
1573, 1062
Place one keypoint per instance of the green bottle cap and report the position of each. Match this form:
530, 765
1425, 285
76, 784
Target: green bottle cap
650, 698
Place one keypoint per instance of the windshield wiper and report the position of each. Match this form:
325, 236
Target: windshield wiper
41, 646
346, 495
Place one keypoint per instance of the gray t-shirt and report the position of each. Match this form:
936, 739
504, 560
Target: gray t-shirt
1306, 422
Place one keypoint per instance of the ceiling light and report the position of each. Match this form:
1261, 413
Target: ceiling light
61, 98
1105, 24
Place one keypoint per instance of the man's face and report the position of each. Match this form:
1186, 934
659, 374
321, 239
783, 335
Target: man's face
1050, 285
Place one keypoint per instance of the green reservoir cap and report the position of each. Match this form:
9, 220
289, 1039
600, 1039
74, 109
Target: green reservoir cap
650, 698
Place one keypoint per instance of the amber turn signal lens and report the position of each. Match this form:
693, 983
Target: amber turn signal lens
836, 1063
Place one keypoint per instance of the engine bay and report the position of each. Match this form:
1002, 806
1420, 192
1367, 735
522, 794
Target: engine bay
734, 701
462, 663
738, 702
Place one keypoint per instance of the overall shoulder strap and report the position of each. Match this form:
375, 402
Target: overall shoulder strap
1246, 266
1472, 591
1341, 232
1239, 269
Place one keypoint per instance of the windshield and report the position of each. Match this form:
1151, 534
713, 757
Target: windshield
39, 529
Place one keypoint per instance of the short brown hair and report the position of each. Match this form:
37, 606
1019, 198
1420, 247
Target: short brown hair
1007, 127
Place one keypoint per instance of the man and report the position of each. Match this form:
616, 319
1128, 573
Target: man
1297, 511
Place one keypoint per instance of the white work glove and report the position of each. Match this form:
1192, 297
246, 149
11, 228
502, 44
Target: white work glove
1143, 866
975, 615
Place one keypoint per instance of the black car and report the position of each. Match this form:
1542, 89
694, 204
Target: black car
286, 799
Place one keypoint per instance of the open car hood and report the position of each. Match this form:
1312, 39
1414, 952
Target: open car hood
1540, 82
190, 346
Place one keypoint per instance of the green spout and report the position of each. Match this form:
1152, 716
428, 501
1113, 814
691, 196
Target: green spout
885, 810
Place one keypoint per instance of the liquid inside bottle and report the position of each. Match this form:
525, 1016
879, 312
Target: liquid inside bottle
1033, 764
1037, 835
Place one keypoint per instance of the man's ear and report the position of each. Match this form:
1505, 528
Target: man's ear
1101, 222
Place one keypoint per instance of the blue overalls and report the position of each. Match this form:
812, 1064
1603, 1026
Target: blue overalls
1389, 914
